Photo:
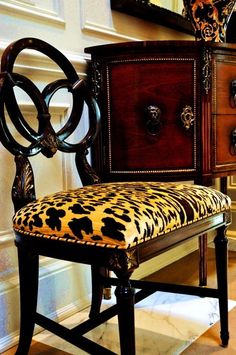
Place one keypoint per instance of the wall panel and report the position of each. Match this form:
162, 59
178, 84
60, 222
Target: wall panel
43, 10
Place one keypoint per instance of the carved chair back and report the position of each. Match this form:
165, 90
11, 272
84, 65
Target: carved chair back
45, 139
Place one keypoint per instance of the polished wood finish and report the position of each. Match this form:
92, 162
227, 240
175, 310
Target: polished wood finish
172, 75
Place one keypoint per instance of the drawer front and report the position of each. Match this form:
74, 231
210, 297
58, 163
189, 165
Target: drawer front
224, 151
224, 72
134, 143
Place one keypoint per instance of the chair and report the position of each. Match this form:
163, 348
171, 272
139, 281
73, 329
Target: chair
110, 226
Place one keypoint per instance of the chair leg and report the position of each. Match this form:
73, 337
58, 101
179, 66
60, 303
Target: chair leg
97, 289
107, 287
203, 260
221, 250
125, 302
28, 274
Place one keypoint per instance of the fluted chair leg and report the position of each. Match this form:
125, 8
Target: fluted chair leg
125, 301
203, 260
28, 271
221, 243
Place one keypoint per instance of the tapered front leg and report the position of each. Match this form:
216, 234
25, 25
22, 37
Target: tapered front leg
123, 263
28, 274
203, 260
125, 303
221, 250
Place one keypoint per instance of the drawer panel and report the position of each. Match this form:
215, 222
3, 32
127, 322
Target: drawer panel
132, 86
224, 154
224, 73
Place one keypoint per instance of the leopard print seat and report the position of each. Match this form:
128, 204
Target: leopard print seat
118, 215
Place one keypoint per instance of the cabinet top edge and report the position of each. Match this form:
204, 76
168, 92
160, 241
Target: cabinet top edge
106, 49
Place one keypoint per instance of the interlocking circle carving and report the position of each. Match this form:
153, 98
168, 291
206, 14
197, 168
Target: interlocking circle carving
45, 139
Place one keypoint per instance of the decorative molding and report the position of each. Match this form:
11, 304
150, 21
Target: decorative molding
48, 268
56, 108
231, 234
232, 191
59, 315
105, 31
8, 341
31, 9
52, 266
206, 70
233, 206
96, 29
6, 237
232, 182
34, 62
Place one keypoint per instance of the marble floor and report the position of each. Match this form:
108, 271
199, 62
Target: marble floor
165, 323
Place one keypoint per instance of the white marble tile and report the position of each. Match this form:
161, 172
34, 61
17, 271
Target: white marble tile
165, 324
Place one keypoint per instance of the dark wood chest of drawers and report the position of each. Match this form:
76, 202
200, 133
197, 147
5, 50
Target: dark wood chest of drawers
168, 110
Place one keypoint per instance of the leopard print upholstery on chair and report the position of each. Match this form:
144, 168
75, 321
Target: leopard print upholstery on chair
118, 215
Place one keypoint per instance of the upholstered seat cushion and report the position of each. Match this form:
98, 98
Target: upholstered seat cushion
118, 214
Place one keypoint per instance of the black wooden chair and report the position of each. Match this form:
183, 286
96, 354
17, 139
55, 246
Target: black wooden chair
110, 226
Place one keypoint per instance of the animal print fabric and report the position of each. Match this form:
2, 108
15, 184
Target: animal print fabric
118, 215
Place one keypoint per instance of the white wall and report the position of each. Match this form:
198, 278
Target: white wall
70, 25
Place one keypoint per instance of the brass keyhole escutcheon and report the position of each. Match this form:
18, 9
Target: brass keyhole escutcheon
187, 117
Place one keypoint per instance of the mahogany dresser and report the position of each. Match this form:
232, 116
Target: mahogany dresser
168, 110
168, 113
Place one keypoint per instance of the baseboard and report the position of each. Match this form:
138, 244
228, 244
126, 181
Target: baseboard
56, 273
11, 340
8, 341
231, 234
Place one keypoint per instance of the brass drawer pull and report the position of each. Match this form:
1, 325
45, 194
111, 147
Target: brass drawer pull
233, 92
233, 141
